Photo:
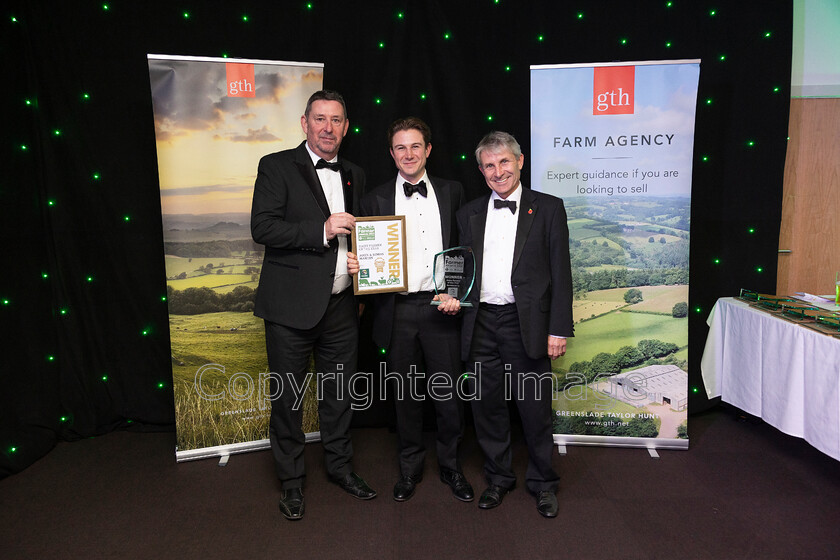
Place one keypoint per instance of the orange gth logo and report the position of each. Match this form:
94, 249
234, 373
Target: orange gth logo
613, 90
240, 79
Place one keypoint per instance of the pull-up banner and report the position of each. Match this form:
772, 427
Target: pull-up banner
214, 119
615, 142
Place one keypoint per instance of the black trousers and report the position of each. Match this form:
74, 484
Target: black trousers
504, 371
423, 336
334, 341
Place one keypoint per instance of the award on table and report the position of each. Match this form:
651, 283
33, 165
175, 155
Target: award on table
379, 244
454, 273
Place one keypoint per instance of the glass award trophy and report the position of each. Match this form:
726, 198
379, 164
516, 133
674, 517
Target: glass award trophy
454, 273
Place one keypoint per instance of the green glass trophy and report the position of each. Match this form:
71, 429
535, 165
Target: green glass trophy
454, 273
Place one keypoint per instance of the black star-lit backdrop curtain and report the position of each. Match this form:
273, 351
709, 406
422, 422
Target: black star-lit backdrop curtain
85, 345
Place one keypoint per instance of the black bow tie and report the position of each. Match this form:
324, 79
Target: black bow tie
334, 166
410, 189
505, 204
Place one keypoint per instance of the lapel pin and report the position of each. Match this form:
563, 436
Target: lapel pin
530, 210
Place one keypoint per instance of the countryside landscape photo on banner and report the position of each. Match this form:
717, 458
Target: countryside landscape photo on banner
616, 143
214, 120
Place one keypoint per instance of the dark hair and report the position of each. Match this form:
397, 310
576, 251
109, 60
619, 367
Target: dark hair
325, 95
409, 123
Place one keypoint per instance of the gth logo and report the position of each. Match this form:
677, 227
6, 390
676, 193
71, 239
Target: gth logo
240, 79
613, 90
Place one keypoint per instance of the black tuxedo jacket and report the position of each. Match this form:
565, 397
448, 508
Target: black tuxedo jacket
381, 202
287, 216
541, 275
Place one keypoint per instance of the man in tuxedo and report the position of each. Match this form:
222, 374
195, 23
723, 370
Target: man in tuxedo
521, 317
303, 206
411, 330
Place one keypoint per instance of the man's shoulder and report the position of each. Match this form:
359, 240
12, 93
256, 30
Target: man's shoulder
380, 191
474, 206
288, 155
445, 183
544, 197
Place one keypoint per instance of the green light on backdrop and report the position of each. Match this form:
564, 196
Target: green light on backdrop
447, 35
712, 13
381, 45
400, 15
106, 7
464, 156
245, 18
750, 143
722, 57
57, 132
6, 301
540, 37
186, 15
767, 35
89, 278
27, 101
378, 101
489, 118
759, 269
104, 378
24, 147
623, 41
751, 230
422, 96
50, 358
716, 261
668, 45
127, 218
51, 203
357, 130
580, 15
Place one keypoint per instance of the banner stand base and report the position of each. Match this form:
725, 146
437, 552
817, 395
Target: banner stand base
561, 449
223, 460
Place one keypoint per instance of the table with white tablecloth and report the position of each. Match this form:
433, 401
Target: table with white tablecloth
780, 371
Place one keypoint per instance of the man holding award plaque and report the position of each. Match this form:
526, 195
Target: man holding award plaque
521, 314
411, 330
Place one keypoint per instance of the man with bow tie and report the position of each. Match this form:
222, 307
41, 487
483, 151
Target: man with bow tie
520, 318
412, 332
303, 212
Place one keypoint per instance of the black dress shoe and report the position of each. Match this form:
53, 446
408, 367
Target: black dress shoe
461, 489
291, 504
355, 486
547, 503
404, 488
492, 497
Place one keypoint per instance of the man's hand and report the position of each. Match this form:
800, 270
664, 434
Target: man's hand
352, 264
556, 347
448, 304
340, 222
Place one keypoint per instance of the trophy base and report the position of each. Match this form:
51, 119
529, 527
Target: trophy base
463, 304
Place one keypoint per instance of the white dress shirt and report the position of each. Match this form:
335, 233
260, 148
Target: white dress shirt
499, 239
422, 232
334, 192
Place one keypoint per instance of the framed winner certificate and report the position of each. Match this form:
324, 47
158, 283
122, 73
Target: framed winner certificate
379, 244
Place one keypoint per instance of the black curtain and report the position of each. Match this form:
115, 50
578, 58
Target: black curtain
82, 311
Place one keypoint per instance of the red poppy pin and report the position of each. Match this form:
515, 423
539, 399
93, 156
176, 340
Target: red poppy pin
530, 210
